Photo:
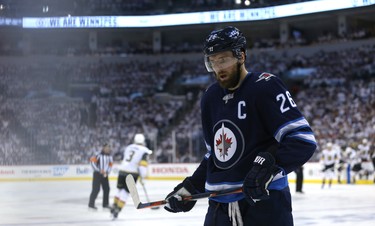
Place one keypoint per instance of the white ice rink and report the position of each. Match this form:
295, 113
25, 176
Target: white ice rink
60, 203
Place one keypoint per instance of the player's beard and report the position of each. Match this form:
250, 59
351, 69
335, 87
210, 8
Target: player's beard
234, 77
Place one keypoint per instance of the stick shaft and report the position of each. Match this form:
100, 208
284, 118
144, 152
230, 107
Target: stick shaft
151, 204
192, 197
139, 205
147, 197
212, 194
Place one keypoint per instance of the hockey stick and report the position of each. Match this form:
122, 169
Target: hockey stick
139, 205
148, 199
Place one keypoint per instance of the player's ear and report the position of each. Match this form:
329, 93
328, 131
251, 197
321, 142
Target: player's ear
242, 58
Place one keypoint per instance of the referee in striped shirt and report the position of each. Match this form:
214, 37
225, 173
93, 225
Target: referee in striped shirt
102, 165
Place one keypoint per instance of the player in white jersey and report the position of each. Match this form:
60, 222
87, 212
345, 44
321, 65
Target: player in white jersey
135, 163
329, 158
367, 167
354, 161
341, 164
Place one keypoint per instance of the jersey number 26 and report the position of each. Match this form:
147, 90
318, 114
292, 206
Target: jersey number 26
283, 97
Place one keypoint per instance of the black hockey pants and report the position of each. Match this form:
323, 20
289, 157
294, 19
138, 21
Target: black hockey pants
276, 211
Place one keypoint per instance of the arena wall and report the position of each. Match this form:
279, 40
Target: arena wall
312, 173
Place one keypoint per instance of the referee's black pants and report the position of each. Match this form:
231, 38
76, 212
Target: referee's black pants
299, 179
99, 179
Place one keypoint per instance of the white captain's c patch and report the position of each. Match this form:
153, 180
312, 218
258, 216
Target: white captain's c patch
228, 144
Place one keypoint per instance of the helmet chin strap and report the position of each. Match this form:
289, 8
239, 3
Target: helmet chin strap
239, 67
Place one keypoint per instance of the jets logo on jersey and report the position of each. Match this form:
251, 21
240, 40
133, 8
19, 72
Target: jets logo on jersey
228, 144
265, 76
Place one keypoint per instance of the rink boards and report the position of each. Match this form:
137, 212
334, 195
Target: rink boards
312, 173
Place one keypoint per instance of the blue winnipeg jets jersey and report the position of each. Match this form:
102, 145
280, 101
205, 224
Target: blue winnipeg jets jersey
259, 116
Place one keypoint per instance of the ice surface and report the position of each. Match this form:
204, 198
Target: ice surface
60, 203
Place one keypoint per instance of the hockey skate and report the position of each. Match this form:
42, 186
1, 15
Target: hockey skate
93, 208
114, 212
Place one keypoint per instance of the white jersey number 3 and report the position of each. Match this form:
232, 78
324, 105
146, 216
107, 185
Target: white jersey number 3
283, 97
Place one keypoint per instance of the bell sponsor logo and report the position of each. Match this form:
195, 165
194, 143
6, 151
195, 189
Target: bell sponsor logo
83, 170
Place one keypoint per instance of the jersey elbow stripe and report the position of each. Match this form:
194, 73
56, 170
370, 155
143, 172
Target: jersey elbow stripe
222, 186
290, 126
307, 137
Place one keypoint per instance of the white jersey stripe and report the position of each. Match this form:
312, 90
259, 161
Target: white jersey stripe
284, 129
308, 137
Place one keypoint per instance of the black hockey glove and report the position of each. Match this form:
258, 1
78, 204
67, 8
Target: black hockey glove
260, 175
175, 204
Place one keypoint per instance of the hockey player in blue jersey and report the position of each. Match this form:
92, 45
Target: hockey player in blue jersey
255, 135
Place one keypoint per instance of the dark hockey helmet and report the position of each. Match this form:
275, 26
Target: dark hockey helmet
229, 38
